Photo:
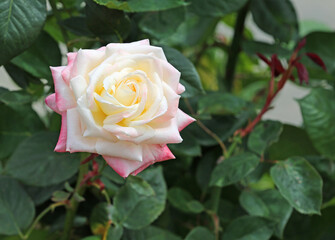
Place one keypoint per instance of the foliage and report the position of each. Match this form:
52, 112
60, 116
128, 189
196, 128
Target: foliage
234, 176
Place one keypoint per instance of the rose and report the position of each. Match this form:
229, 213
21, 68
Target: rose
120, 101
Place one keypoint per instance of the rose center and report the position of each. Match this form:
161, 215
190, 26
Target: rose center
125, 93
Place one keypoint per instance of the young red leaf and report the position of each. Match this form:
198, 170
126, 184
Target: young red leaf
262, 57
302, 72
301, 44
278, 67
315, 58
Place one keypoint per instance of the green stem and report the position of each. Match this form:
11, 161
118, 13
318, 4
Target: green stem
39, 217
235, 47
215, 198
214, 201
108, 200
231, 149
74, 204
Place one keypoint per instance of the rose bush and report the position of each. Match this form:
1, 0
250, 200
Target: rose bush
120, 101
236, 175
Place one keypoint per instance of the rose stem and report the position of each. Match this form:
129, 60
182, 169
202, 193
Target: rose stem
73, 206
40, 216
206, 129
235, 47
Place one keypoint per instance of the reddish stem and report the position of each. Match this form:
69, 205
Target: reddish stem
244, 132
89, 158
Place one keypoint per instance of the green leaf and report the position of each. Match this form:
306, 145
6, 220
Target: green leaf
140, 186
59, 196
318, 112
35, 163
254, 47
299, 183
91, 238
189, 75
141, 5
20, 77
68, 187
228, 211
100, 218
205, 166
269, 204
16, 208
41, 194
131, 205
150, 233
293, 141
200, 233
264, 134
188, 147
77, 25
115, 232
184, 201
248, 228
20, 24
15, 99
108, 24
277, 18
193, 31
233, 169
36, 60
221, 103
214, 8
36, 234
163, 23
12, 129
323, 44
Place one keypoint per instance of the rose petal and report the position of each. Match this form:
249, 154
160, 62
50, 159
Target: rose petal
136, 134
79, 86
165, 132
151, 154
66, 73
183, 119
75, 140
64, 96
51, 103
62, 139
120, 149
86, 60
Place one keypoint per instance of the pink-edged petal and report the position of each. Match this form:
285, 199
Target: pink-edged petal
165, 132
180, 88
50, 101
183, 119
120, 149
66, 73
85, 61
61, 144
76, 142
151, 154
170, 75
157, 152
64, 96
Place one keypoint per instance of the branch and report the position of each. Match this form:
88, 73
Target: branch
235, 47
